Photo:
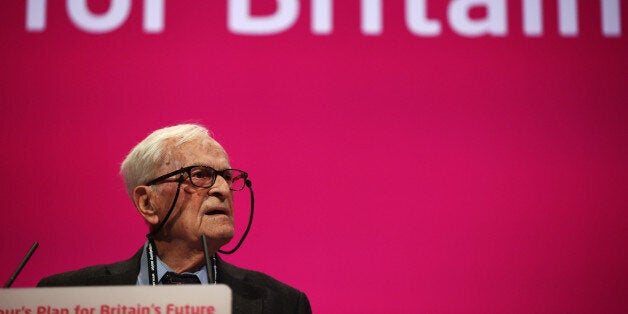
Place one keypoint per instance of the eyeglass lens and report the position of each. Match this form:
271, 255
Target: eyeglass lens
206, 177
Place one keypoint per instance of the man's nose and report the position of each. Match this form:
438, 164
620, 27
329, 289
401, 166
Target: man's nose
220, 188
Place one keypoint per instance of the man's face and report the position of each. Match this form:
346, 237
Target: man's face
198, 210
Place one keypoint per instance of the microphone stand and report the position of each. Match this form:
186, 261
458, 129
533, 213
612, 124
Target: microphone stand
22, 264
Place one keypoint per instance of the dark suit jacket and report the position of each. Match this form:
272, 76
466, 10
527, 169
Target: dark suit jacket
253, 292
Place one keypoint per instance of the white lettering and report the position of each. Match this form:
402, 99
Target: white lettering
240, 20
35, 15
81, 16
154, 16
611, 18
371, 17
532, 17
495, 22
417, 21
322, 16
84, 19
568, 18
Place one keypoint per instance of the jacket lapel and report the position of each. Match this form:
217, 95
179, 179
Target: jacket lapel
123, 273
247, 298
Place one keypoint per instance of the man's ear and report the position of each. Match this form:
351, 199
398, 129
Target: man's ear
142, 199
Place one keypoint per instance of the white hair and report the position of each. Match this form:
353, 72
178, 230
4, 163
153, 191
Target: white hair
147, 156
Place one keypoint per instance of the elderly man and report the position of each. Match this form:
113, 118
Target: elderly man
180, 181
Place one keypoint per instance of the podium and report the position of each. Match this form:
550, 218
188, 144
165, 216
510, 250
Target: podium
182, 299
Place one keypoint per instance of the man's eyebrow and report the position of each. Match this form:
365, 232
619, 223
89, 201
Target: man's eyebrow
205, 165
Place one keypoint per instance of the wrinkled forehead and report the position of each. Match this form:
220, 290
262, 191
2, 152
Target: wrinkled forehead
205, 152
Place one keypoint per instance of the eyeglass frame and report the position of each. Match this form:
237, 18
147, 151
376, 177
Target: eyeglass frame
188, 169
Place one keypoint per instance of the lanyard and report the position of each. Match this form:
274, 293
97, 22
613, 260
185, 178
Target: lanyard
151, 254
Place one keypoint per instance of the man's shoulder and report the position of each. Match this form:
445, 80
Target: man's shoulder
253, 277
250, 284
118, 273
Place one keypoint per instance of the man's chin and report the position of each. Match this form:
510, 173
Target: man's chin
220, 235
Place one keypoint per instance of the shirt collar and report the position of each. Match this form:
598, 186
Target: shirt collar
162, 269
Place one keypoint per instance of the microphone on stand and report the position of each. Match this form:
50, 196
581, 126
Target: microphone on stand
210, 263
22, 264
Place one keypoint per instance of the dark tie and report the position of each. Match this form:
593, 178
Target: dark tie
171, 278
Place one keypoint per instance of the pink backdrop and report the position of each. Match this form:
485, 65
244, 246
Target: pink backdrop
393, 172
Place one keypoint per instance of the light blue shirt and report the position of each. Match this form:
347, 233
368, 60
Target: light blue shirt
162, 269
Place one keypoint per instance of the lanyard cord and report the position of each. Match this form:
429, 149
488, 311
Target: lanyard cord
152, 262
